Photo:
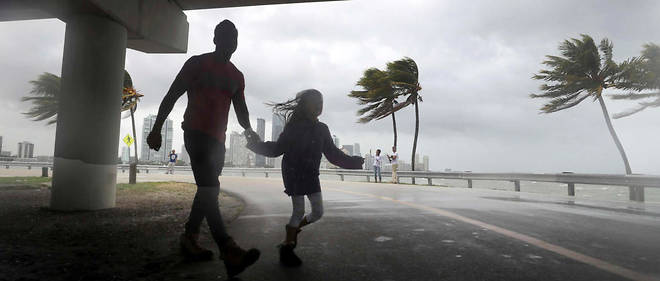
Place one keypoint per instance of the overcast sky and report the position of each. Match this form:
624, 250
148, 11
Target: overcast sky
475, 61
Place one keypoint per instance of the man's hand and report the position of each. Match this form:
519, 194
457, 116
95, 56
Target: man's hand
251, 136
154, 140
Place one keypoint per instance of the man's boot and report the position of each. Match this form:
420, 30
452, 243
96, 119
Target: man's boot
235, 258
287, 256
191, 249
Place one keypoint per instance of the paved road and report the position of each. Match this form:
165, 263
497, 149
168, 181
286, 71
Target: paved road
401, 232
393, 232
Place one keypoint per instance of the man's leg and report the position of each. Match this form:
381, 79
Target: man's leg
207, 166
395, 177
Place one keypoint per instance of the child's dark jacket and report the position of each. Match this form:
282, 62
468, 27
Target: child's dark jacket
302, 143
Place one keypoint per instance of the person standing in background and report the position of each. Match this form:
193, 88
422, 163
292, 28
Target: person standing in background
377, 166
170, 164
394, 159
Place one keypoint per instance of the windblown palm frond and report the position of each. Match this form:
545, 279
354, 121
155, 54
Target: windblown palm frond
640, 74
46, 89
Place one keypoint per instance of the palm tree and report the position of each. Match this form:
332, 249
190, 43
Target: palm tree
44, 98
45, 91
405, 80
579, 73
640, 74
378, 97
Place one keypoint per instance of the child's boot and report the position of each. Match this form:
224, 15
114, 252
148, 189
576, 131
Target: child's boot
235, 258
191, 249
287, 256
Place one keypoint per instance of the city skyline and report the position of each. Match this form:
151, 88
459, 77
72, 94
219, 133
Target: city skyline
167, 133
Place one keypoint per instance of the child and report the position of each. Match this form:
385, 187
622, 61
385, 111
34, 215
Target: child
303, 140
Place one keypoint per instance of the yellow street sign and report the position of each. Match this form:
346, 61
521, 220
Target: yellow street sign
128, 140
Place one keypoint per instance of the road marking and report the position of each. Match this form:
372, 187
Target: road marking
598, 263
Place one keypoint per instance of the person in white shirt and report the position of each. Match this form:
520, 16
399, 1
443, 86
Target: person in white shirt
377, 166
394, 159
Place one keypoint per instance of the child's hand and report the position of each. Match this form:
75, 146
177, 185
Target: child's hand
251, 136
359, 159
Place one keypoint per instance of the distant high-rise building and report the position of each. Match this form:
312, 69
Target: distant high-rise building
348, 148
125, 154
369, 161
335, 139
356, 149
183, 154
277, 126
239, 155
25, 150
167, 133
260, 160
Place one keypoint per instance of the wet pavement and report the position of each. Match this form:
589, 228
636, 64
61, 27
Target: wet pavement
402, 232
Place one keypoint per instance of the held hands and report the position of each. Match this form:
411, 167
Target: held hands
358, 159
154, 140
251, 136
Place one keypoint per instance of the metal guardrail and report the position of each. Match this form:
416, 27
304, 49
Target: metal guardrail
636, 183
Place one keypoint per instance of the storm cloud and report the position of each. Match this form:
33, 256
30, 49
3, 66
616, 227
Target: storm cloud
476, 60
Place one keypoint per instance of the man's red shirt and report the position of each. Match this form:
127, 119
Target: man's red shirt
212, 85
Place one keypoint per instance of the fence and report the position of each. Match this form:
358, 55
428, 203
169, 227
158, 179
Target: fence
635, 183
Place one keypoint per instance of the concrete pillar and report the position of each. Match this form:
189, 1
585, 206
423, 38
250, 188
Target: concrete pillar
636, 193
86, 141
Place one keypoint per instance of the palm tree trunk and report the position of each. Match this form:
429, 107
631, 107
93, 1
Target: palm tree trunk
416, 134
614, 136
394, 127
132, 171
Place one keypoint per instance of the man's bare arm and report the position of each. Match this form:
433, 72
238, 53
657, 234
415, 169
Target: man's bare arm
242, 114
178, 87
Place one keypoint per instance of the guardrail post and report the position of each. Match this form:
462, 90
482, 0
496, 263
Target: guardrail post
413, 180
517, 185
571, 189
147, 171
29, 167
7, 166
469, 183
342, 177
636, 193
243, 173
430, 181
44, 172
266, 174
368, 179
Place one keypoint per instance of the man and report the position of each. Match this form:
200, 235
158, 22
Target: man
170, 164
394, 159
212, 83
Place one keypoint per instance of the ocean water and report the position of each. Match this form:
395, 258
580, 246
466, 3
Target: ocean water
582, 191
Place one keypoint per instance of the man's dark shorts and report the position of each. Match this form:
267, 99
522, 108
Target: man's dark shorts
207, 157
